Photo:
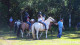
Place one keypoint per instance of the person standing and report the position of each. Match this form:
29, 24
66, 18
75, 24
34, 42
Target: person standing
60, 26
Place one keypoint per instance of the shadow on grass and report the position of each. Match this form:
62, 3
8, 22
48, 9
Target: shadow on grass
4, 31
30, 38
71, 34
42, 38
74, 37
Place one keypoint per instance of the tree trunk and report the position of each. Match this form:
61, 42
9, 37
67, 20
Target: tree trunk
21, 17
69, 20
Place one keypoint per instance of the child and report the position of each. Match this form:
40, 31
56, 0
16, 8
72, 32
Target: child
28, 21
41, 19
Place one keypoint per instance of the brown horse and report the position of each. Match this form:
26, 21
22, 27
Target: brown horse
11, 25
24, 27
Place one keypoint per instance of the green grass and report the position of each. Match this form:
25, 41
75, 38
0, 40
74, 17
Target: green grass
8, 37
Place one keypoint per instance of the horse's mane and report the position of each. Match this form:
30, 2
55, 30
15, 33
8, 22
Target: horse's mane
48, 18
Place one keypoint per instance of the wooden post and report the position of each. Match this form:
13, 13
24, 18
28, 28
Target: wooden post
21, 15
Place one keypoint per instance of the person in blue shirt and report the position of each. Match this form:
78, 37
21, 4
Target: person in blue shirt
11, 20
11, 23
60, 26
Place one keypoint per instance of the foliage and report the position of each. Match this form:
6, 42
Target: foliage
54, 8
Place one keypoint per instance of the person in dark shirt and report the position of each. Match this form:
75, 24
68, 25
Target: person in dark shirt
27, 20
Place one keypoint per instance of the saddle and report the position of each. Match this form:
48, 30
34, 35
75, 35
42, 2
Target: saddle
43, 25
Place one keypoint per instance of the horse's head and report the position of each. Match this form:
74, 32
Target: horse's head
18, 22
51, 19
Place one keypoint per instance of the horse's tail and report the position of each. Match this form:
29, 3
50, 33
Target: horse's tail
33, 31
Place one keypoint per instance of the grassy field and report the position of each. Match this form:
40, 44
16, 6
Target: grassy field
8, 37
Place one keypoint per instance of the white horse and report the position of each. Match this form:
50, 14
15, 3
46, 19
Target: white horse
16, 25
40, 27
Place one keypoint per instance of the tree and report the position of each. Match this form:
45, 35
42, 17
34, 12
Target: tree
67, 9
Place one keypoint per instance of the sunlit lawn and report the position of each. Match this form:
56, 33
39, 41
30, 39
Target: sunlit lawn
8, 37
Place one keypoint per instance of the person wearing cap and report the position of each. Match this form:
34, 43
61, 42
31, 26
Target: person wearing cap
27, 15
39, 16
28, 20
41, 19
60, 26
44, 20
25, 18
44, 17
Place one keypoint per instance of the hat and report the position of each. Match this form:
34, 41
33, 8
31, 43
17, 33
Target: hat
61, 19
